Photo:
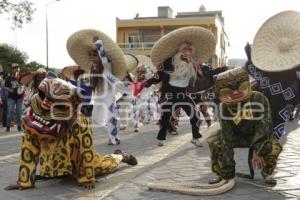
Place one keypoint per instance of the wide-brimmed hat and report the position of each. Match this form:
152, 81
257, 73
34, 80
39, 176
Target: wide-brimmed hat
81, 43
202, 40
14, 65
276, 46
27, 77
132, 62
69, 71
144, 61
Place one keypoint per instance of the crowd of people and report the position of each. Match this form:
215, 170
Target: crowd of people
110, 89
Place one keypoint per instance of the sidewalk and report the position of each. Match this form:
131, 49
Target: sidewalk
191, 164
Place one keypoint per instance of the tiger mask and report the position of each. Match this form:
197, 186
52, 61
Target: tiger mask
52, 109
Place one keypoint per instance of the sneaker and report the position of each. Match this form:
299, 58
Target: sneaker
173, 132
160, 143
127, 158
117, 142
197, 142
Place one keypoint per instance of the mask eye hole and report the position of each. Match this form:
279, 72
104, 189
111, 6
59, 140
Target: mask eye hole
41, 94
61, 107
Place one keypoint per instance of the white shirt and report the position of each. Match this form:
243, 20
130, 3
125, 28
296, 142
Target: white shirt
181, 81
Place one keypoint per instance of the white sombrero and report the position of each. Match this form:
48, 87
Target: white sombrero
202, 40
27, 77
81, 43
276, 46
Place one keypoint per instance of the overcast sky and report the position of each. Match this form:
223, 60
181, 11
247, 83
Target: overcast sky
242, 20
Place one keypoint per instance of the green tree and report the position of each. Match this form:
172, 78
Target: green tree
9, 55
18, 12
33, 66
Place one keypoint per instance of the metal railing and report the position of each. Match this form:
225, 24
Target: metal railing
137, 46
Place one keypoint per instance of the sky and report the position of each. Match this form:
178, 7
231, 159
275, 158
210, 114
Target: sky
242, 20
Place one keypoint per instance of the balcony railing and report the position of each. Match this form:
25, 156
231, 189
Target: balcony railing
137, 46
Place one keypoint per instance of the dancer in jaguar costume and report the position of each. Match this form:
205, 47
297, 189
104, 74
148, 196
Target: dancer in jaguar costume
245, 119
59, 138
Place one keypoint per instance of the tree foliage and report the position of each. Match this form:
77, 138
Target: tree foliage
18, 12
9, 54
33, 66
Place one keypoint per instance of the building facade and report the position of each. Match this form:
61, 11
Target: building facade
138, 35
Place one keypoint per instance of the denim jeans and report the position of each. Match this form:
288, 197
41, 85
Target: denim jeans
13, 104
4, 112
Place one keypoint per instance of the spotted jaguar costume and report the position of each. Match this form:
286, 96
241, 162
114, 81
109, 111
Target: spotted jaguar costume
59, 138
245, 119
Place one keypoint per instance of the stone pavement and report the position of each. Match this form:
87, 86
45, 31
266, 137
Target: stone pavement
191, 164
177, 161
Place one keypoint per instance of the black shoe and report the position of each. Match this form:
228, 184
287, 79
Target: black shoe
7, 129
127, 158
215, 180
20, 128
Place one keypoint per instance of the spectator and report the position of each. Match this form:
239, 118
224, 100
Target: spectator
14, 98
3, 99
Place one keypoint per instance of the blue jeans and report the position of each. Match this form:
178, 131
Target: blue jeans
4, 112
11, 105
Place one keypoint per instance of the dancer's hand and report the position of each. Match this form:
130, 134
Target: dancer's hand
257, 161
88, 185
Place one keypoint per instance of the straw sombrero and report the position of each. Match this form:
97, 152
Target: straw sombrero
202, 39
144, 61
132, 62
276, 46
27, 77
81, 43
69, 71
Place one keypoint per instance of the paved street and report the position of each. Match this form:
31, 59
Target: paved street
177, 161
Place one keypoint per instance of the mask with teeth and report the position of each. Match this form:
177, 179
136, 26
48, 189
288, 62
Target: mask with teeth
52, 109
233, 86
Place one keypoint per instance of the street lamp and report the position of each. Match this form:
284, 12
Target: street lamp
46, 6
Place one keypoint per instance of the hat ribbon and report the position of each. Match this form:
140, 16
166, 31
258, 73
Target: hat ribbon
109, 77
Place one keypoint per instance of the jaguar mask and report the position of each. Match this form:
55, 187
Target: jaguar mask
52, 109
233, 86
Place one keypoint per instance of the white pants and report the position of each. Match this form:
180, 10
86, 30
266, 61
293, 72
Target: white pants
104, 114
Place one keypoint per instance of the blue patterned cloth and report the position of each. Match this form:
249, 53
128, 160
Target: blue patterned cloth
282, 91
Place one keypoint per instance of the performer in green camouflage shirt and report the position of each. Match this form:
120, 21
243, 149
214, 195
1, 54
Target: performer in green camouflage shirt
245, 119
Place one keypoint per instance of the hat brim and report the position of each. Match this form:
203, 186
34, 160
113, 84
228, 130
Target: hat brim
276, 46
202, 40
81, 43
68, 71
132, 62
143, 60
26, 78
